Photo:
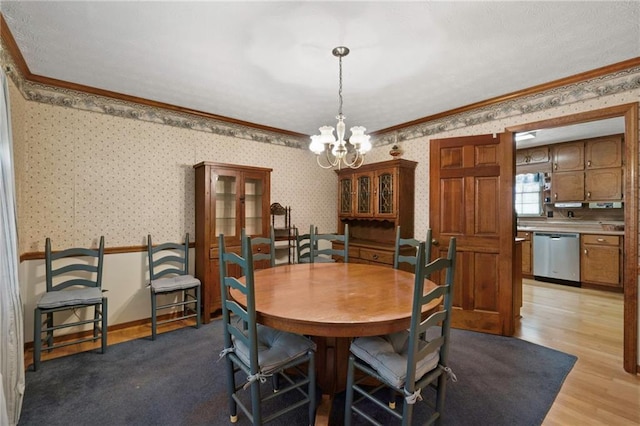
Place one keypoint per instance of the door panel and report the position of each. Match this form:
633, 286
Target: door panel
471, 198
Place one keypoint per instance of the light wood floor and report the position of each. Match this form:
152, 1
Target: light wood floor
585, 323
588, 324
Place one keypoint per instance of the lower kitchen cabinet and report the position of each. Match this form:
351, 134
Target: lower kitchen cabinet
527, 269
601, 260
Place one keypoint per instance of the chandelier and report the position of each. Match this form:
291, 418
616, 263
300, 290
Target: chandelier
336, 150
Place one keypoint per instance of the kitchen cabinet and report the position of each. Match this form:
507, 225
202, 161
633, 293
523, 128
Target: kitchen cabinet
603, 184
567, 186
604, 153
228, 198
601, 260
535, 155
526, 253
588, 170
373, 200
568, 157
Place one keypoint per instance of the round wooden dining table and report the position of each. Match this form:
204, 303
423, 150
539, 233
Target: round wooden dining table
332, 303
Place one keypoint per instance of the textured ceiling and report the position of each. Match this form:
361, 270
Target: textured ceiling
270, 63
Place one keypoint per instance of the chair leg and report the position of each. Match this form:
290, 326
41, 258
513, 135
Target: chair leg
440, 395
231, 389
255, 402
348, 400
311, 375
37, 338
49, 330
105, 334
392, 398
96, 321
154, 320
198, 307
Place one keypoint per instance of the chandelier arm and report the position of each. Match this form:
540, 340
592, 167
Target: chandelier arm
331, 163
353, 163
329, 166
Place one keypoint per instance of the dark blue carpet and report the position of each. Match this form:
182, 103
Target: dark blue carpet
177, 380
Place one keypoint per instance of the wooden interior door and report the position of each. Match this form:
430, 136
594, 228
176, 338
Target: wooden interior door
471, 198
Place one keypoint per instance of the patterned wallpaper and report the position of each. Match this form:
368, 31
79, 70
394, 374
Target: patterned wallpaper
84, 174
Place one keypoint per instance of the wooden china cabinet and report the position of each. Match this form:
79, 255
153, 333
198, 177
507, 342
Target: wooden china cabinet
373, 200
228, 198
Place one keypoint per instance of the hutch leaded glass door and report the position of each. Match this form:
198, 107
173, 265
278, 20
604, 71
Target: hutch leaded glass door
346, 188
364, 183
385, 195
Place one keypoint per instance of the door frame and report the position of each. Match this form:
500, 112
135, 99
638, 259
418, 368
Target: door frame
630, 114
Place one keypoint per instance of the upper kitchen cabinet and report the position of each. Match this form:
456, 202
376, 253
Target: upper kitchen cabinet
603, 153
375, 196
588, 170
228, 198
568, 157
535, 155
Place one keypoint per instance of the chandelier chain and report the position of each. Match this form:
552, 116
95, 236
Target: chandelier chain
340, 88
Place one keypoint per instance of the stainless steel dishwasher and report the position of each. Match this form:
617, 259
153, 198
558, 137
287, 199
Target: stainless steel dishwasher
556, 255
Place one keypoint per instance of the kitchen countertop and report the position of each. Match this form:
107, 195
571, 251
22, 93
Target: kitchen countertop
582, 227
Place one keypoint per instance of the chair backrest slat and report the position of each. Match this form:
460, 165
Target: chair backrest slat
87, 262
303, 245
400, 243
317, 251
269, 241
168, 258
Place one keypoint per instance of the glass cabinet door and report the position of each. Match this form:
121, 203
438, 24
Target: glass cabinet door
346, 195
364, 194
225, 200
253, 199
385, 193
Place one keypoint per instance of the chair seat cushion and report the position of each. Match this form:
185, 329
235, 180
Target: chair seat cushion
387, 355
275, 348
179, 282
71, 297
323, 259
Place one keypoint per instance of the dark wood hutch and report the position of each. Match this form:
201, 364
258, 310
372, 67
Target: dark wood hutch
373, 200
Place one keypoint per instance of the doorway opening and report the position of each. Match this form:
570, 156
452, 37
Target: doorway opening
629, 113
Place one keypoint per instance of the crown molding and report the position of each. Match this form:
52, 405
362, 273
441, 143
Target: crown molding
624, 80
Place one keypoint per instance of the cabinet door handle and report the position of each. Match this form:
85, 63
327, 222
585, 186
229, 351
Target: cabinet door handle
555, 166
585, 251
259, 249
600, 240
589, 163
375, 257
555, 195
588, 194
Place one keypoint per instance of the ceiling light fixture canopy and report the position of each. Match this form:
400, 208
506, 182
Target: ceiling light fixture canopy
336, 150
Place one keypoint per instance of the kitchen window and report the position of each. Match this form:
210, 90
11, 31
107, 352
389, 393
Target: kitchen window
528, 194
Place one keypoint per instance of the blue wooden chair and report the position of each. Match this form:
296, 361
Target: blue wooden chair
401, 243
303, 246
258, 245
326, 254
410, 360
258, 352
74, 281
169, 275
